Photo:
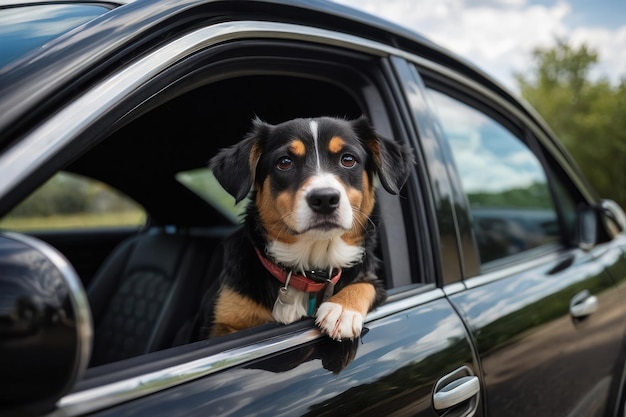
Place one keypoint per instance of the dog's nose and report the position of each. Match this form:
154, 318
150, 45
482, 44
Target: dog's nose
323, 200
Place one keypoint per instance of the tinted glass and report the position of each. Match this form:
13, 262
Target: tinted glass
202, 182
505, 184
25, 28
69, 201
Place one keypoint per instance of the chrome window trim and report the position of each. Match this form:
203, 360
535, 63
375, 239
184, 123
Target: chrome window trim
108, 395
56, 132
528, 264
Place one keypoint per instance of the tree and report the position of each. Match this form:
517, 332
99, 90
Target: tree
588, 116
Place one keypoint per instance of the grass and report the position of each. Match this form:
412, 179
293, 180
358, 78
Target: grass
74, 221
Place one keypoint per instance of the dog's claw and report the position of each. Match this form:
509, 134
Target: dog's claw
337, 322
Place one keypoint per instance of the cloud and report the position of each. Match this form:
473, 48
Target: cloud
499, 35
610, 47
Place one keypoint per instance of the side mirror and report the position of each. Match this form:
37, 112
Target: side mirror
587, 227
615, 218
45, 326
599, 223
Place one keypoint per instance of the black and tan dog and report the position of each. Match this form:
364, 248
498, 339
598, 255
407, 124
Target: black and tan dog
306, 248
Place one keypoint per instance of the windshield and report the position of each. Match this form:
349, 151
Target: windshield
27, 27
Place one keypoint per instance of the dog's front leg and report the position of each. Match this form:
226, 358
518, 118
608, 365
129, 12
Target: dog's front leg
341, 317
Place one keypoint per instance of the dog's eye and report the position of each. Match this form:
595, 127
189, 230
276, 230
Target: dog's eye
284, 163
348, 161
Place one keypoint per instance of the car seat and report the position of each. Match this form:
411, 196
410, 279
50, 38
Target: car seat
146, 290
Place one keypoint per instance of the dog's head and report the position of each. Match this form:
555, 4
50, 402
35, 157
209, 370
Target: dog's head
313, 177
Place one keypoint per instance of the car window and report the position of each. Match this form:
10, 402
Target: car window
25, 28
203, 183
505, 184
69, 201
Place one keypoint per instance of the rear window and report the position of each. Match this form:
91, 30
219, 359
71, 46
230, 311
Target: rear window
203, 183
28, 27
70, 202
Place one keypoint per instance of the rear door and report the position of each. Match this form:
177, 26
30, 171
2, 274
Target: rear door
547, 316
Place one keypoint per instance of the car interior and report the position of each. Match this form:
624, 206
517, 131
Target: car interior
145, 284
150, 283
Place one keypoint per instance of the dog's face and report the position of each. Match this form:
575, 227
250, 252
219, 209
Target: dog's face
313, 177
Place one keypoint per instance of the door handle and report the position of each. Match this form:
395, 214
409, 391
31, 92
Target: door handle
583, 304
455, 388
456, 392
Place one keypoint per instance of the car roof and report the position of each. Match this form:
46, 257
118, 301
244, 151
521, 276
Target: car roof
27, 85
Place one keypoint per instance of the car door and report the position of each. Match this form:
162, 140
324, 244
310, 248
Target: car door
546, 312
415, 356
394, 371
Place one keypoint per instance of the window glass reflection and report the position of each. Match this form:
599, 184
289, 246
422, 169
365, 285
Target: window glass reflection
504, 182
28, 27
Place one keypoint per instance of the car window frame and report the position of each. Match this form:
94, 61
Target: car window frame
111, 105
548, 153
518, 132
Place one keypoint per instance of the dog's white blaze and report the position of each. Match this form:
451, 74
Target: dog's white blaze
314, 131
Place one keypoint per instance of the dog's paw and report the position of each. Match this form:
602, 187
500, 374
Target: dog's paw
337, 322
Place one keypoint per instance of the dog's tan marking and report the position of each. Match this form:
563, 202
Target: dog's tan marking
297, 147
357, 297
234, 312
336, 144
275, 212
362, 206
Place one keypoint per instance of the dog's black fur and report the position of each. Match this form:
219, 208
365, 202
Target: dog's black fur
256, 162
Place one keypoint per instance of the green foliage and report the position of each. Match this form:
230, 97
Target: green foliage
588, 116
67, 194
535, 196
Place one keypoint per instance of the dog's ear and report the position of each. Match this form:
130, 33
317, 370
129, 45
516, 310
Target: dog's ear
392, 160
234, 167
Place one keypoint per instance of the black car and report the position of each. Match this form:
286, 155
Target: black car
506, 273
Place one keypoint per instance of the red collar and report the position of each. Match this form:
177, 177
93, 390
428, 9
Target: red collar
298, 281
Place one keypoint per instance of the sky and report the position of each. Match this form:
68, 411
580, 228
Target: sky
499, 36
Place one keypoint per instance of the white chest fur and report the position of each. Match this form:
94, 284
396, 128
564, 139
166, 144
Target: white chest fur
306, 254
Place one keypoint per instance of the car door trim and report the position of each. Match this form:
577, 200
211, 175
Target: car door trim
555, 255
108, 395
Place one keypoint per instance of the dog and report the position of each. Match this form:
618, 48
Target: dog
306, 247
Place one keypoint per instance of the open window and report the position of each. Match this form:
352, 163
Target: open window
156, 152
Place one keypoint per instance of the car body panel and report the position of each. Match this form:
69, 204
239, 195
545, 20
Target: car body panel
397, 364
520, 316
532, 350
26, 28
511, 328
